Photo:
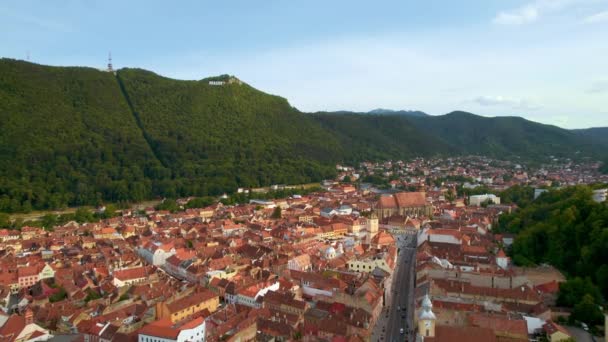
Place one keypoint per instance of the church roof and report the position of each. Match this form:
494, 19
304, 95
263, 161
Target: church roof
402, 200
426, 313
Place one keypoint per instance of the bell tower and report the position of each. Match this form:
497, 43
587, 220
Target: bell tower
372, 225
426, 318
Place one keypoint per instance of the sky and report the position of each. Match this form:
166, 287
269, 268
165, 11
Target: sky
545, 60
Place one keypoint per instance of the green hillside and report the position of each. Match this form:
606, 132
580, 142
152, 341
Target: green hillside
505, 136
215, 138
380, 137
568, 230
67, 137
599, 134
73, 136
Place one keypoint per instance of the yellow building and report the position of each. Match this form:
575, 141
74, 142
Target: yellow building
426, 318
185, 307
369, 264
556, 332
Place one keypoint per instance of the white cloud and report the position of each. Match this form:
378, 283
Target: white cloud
524, 15
502, 101
401, 71
597, 18
598, 87
534, 10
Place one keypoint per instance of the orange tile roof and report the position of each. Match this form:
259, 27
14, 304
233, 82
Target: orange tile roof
188, 301
500, 325
27, 271
469, 334
551, 328
131, 273
410, 199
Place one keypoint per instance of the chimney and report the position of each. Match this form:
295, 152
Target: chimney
29, 316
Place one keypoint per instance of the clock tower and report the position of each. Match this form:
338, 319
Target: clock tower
426, 318
372, 225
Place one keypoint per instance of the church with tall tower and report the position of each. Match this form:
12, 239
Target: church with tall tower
372, 226
426, 319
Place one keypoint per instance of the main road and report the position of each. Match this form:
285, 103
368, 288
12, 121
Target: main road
396, 320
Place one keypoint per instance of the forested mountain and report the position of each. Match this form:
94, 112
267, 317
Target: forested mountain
382, 111
567, 229
72, 136
505, 136
380, 137
217, 138
67, 136
596, 133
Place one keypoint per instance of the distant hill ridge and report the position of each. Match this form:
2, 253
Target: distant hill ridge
73, 136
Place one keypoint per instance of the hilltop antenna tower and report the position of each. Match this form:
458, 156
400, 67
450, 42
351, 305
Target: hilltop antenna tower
110, 69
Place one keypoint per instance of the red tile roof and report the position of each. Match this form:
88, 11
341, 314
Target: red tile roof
502, 326
188, 301
131, 273
551, 328
469, 334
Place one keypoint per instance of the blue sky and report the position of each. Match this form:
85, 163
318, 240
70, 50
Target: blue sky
545, 60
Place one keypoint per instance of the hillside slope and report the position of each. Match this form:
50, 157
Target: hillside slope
67, 137
215, 138
599, 134
505, 136
73, 136
380, 137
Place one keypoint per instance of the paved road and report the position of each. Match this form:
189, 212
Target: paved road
398, 313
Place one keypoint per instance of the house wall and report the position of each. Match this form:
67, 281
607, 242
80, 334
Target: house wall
148, 338
196, 334
476, 279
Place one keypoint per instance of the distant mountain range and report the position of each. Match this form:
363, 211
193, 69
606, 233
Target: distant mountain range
72, 136
414, 113
599, 134
381, 111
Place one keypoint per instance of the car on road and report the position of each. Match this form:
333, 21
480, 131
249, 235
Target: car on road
401, 331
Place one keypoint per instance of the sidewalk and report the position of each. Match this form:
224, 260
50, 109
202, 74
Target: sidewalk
381, 323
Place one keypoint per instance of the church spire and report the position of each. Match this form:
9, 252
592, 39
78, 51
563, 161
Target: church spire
426, 318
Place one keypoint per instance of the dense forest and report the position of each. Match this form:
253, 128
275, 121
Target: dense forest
604, 167
67, 138
506, 136
72, 136
567, 229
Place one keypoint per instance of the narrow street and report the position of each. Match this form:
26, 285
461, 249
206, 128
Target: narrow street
396, 320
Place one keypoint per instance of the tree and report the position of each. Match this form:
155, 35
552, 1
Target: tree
83, 215
60, 295
574, 290
91, 295
276, 213
346, 179
109, 212
49, 221
200, 202
450, 196
168, 204
588, 311
4, 220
